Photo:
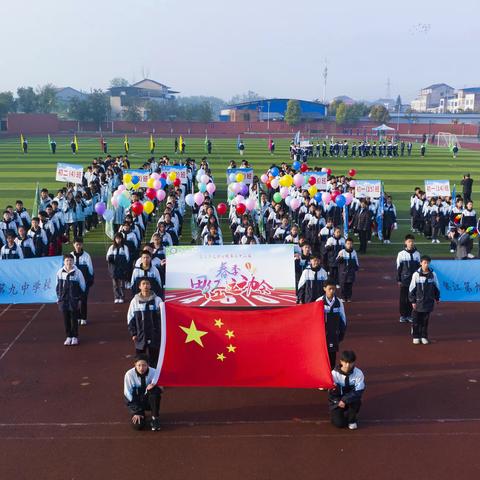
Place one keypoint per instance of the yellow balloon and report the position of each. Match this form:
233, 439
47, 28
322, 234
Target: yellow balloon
128, 185
281, 182
288, 180
148, 207
312, 190
172, 176
239, 177
150, 182
127, 178
136, 186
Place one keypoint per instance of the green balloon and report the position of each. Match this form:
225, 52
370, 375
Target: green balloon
277, 197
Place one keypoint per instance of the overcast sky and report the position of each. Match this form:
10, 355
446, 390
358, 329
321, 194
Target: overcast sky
217, 47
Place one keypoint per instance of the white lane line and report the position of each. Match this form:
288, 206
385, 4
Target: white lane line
5, 310
21, 332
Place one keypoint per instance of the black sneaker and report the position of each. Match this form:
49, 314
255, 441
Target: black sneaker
155, 424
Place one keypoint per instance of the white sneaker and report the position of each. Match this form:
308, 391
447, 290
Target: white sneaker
120, 300
434, 241
83, 321
68, 341
352, 426
74, 341
115, 301
452, 250
416, 341
425, 341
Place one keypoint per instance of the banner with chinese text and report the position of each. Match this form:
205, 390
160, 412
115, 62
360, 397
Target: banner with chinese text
368, 188
69, 173
31, 280
143, 175
246, 172
180, 171
231, 275
459, 280
321, 178
437, 188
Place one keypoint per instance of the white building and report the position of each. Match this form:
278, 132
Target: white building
430, 97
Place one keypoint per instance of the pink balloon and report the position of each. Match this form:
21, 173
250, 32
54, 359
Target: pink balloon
348, 198
250, 203
161, 195
121, 188
157, 185
211, 188
284, 192
205, 179
294, 203
274, 183
298, 180
324, 169
326, 197
236, 187
264, 178
199, 198
239, 199
353, 183
115, 202
155, 176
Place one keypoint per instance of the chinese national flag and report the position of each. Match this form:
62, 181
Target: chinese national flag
282, 347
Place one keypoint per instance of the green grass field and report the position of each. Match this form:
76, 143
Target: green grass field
19, 174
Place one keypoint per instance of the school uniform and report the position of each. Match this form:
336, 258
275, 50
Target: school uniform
424, 290
152, 274
118, 259
464, 246
469, 218
27, 246
11, 253
332, 248
40, 240
83, 262
335, 325
143, 318
362, 223
347, 263
310, 285
349, 388
389, 220
408, 262
22, 218
70, 288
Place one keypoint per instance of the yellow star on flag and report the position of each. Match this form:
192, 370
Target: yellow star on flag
219, 323
221, 357
230, 334
231, 348
193, 335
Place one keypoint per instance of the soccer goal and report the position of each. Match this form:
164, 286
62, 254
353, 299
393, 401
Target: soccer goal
447, 140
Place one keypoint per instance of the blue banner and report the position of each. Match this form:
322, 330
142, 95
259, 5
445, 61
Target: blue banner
31, 280
459, 280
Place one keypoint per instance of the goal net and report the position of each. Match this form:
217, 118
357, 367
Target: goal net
447, 140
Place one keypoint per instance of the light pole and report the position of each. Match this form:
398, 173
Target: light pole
268, 115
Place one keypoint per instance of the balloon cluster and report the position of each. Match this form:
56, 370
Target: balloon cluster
238, 194
472, 231
205, 185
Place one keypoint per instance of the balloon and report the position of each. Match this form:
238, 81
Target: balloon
312, 180
277, 197
312, 190
221, 209
148, 207
150, 182
240, 208
163, 182
211, 187
108, 215
348, 198
100, 208
172, 176
127, 178
326, 197
352, 172
157, 184
284, 192
202, 187
303, 167
268, 184
274, 171
124, 202
231, 195
236, 187
115, 202
135, 179
199, 198
294, 204
205, 179
264, 178
298, 180
288, 180
329, 171
281, 181
150, 193
296, 165
121, 188
244, 190
177, 182
340, 201
239, 177
250, 204
352, 183
163, 175
334, 195
318, 197
275, 183
128, 186
161, 195
137, 208
155, 176
232, 177
288, 201
189, 200
239, 199
324, 170
136, 186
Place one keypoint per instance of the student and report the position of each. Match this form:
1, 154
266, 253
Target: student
467, 183
142, 394
463, 243
332, 248
424, 291
347, 262
11, 250
84, 263
389, 219
118, 259
144, 316
25, 243
39, 237
335, 320
70, 288
408, 262
146, 270
310, 285
362, 223
345, 399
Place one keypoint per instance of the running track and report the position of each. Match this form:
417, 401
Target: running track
62, 414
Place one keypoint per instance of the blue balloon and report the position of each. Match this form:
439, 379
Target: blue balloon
340, 201
318, 197
163, 182
296, 165
202, 187
135, 179
274, 171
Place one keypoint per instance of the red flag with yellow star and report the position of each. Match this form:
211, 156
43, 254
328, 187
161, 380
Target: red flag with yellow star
283, 347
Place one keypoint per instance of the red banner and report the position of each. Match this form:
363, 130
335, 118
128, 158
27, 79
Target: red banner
282, 347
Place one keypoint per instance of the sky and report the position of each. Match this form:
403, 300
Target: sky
276, 48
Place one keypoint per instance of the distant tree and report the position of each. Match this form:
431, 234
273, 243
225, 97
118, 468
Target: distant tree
293, 113
379, 113
27, 100
398, 104
332, 108
132, 113
250, 96
7, 103
79, 109
205, 112
341, 114
119, 82
46, 98
154, 111
98, 106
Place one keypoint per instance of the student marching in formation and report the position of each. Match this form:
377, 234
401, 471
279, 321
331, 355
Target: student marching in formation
347, 263
84, 263
118, 260
310, 285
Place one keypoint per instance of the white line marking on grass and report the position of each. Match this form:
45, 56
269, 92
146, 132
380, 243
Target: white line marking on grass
22, 331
